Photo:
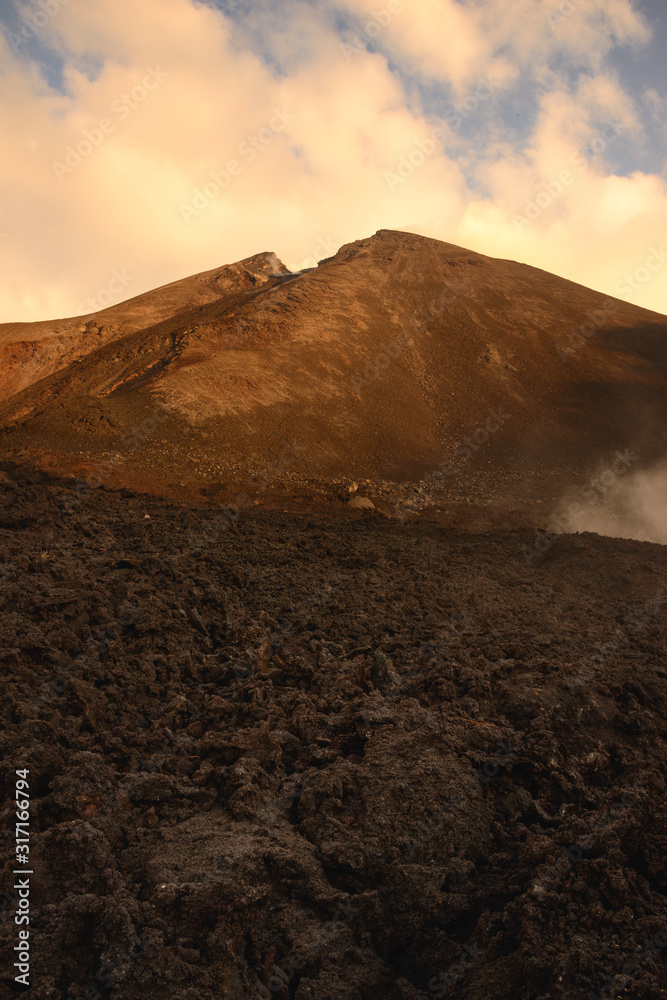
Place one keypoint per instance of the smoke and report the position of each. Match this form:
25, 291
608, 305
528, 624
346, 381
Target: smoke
633, 506
274, 266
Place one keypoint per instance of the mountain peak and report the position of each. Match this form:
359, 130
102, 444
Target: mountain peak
381, 362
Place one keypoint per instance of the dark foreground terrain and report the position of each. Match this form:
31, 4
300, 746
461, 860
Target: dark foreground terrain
329, 759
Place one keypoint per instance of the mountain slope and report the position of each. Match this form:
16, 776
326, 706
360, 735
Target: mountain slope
379, 364
32, 351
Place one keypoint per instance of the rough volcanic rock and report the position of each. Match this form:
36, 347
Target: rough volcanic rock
322, 759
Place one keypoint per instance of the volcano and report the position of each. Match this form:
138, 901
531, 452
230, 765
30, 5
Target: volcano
409, 746
398, 356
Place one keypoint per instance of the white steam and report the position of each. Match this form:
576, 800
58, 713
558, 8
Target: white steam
633, 505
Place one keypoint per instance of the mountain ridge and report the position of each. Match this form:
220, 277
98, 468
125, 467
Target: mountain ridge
378, 362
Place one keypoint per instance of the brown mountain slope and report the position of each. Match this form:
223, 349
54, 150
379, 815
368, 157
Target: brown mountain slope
31, 351
377, 364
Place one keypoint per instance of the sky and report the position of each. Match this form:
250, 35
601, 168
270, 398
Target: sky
145, 142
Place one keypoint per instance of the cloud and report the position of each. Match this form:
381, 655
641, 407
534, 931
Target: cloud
440, 39
184, 137
557, 204
583, 32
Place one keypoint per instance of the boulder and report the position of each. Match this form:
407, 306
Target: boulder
361, 503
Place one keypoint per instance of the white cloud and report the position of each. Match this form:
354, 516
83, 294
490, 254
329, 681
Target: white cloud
441, 39
320, 180
584, 31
